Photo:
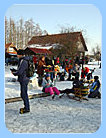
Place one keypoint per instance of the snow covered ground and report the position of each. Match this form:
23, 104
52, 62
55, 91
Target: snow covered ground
52, 116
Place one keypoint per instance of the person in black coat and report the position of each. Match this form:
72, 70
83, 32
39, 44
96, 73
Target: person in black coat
21, 72
76, 84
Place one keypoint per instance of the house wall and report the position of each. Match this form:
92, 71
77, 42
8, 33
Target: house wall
9, 49
80, 47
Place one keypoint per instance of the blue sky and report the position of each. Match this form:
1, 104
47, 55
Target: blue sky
51, 17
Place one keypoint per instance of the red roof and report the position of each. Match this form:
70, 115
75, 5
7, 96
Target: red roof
7, 45
40, 51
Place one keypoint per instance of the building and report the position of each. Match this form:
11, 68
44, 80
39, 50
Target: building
57, 40
36, 51
9, 48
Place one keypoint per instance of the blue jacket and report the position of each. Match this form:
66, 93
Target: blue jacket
95, 86
22, 69
45, 82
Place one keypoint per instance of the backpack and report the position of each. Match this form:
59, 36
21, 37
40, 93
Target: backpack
31, 69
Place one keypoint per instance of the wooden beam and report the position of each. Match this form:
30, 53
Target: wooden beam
16, 99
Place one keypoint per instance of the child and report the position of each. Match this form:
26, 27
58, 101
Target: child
94, 91
48, 86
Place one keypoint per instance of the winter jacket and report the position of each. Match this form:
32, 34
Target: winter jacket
35, 60
22, 69
40, 69
85, 72
45, 82
57, 60
77, 84
76, 69
95, 86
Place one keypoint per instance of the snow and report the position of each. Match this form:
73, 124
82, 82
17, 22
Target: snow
52, 116
39, 46
12, 89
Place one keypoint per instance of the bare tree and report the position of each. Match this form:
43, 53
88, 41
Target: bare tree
70, 29
67, 29
6, 31
17, 36
21, 32
38, 31
44, 32
97, 52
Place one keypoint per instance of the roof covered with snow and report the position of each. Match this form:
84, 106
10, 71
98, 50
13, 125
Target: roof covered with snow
56, 38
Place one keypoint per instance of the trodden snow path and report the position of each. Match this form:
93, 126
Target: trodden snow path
55, 116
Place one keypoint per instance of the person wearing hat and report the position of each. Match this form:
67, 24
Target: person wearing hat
76, 84
21, 72
84, 72
40, 69
94, 90
48, 86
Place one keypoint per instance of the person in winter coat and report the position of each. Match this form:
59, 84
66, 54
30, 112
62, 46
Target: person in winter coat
77, 60
57, 61
84, 72
41, 65
35, 61
21, 72
40, 69
76, 84
48, 86
74, 71
94, 90
50, 66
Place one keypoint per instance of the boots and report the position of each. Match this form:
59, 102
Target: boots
24, 110
53, 96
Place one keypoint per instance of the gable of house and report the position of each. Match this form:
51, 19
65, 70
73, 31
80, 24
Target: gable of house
57, 38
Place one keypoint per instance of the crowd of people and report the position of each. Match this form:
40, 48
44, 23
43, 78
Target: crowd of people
48, 69
56, 67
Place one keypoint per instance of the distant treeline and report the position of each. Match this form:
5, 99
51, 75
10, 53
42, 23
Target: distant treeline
21, 32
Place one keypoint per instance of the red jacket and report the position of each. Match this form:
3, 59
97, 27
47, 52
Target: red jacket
57, 60
84, 72
35, 60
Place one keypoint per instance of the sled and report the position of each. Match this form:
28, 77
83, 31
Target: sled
81, 93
